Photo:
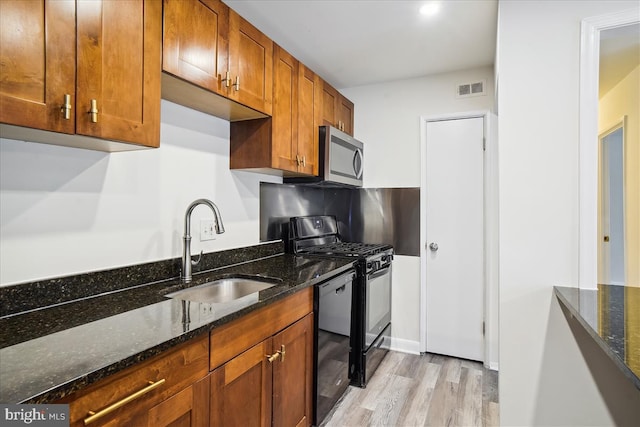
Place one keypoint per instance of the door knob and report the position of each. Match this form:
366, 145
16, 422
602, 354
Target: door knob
433, 246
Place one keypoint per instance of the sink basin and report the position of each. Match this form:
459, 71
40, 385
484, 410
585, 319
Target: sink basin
222, 290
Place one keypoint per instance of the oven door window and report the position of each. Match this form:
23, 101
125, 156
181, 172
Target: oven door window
378, 304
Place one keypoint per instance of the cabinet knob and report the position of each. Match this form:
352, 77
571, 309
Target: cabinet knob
66, 107
94, 111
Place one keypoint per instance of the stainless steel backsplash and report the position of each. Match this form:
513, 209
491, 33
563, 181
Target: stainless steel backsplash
371, 215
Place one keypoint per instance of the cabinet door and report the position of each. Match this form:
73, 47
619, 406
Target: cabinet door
118, 66
251, 65
241, 389
285, 111
188, 408
37, 63
309, 109
195, 43
293, 375
329, 105
345, 115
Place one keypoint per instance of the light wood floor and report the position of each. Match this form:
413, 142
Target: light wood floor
421, 390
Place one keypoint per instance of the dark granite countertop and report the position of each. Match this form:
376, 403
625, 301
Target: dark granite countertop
49, 353
611, 315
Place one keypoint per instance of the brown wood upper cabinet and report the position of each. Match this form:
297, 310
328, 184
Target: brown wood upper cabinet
195, 43
337, 111
250, 65
85, 68
208, 46
288, 141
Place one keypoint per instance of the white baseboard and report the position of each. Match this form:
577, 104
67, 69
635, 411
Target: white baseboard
405, 346
413, 347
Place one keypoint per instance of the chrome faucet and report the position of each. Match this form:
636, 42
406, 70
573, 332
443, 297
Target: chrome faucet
187, 262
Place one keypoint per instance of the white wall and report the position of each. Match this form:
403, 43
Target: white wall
67, 210
387, 120
544, 377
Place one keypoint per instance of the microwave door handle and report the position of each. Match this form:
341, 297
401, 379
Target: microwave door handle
358, 171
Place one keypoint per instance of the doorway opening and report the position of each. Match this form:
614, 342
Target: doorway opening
611, 250
432, 251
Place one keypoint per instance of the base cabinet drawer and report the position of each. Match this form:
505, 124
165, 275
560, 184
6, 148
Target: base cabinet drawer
133, 395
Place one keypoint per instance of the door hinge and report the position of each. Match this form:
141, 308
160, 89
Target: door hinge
483, 328
484, 144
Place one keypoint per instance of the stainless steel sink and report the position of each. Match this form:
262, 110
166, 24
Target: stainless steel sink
222, 290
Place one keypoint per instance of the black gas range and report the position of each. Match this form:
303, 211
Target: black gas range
370, 329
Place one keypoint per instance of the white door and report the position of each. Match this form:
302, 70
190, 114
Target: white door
612, 209
455, 238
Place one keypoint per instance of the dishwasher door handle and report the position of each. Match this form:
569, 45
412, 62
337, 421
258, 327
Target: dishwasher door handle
341, 289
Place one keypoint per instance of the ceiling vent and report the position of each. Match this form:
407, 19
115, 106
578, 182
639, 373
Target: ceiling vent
466, 90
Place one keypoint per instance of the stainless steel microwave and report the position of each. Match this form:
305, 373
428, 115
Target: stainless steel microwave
341, 157
340, 160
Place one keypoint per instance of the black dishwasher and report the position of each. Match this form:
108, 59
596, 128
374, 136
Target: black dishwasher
334, 308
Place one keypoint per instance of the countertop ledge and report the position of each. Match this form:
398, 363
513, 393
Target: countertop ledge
87, 340
611, 316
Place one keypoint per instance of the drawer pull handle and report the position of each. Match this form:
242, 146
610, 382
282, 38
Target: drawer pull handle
94, 416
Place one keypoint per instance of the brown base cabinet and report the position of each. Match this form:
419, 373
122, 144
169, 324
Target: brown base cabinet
187, 408
264, 374
174, 382
269, 384
254, 371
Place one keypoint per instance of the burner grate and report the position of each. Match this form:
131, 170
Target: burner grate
346, 249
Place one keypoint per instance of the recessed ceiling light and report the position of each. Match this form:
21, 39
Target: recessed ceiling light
430, 9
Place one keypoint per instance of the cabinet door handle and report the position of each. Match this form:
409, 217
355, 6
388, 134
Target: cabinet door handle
273, 357
237, 83
94, 111
66, 107
304, 161
94, 416
227, 80
282, 352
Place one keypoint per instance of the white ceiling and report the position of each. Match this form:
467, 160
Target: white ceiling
357, 42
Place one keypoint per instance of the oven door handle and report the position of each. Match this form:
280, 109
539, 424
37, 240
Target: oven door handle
379, 273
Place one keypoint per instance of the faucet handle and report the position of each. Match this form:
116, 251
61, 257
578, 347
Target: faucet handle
199, 258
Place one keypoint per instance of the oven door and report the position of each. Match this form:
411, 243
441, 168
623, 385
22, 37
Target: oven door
378, 304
